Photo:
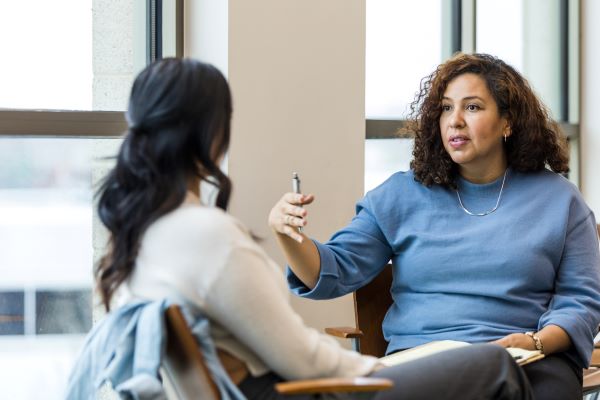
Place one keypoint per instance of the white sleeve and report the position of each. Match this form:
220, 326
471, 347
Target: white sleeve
247, 300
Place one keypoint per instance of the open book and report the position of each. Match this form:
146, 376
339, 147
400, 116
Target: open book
521, 356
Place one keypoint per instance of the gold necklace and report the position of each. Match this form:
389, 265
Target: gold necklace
483, 214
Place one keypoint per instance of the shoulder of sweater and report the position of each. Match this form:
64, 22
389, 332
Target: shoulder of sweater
400, 184
194, 221
400, 178
550, 181
555, 189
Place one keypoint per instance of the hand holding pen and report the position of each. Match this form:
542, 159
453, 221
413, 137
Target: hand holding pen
288, 214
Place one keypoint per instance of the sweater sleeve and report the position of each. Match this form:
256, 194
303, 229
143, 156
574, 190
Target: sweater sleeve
575, 306
249, 299
351, 259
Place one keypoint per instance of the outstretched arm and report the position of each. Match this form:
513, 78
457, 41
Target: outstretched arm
301, 253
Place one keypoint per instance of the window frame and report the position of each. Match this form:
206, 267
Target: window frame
85, 124
92, 124
59, 123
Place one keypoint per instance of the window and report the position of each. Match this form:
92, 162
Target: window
68, 55
50, 66
383, 157
46, 226
395, 63
12, 312
81, 56
401, 48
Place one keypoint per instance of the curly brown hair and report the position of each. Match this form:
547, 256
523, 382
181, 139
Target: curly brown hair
536, 140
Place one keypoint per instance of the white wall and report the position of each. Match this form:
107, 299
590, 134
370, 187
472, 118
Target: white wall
296, 69
590, 103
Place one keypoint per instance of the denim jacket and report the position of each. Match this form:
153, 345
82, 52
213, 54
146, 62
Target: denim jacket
126, 350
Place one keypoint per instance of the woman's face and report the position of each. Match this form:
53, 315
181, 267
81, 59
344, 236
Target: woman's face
472, 129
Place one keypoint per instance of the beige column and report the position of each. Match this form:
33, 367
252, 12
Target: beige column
297, 73
296, 69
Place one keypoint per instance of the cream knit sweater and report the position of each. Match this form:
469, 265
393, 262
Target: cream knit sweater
204, 256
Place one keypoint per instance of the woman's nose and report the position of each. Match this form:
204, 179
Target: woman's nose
456, 119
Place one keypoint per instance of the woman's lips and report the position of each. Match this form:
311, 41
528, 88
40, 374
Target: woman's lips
457, 141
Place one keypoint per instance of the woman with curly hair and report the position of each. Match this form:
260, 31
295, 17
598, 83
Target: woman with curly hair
489, 243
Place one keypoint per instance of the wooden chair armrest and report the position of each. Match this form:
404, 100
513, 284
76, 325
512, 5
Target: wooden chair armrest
595, 362
333, 385
591, 380
344, 332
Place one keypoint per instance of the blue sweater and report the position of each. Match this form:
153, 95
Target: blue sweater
533, 262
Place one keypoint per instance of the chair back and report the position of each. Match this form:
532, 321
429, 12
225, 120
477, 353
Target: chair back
183, 365
371, 303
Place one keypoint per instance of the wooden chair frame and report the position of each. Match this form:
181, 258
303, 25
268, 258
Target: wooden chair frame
183, 366
371, 303
188, 377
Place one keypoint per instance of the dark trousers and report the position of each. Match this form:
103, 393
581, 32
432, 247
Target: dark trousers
555, 377
481, 371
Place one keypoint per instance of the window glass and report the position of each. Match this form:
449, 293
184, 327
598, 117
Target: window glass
404, 43
46, 213
12, 312
527, 35
383, 157
500, 30
50, 65
395, 66
69, 54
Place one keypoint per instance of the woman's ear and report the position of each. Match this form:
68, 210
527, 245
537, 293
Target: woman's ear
507, 131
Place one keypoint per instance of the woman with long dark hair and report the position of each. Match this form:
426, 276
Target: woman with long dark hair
165, 243
179, 125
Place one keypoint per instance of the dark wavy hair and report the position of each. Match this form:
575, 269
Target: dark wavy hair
179, 126
536, 140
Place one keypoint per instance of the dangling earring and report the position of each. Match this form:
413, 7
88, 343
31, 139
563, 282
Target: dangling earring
505, 136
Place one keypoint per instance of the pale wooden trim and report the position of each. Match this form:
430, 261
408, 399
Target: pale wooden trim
344, 332
334, 385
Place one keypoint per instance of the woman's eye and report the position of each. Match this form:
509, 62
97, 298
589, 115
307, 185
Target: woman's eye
445, 108
473, 107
